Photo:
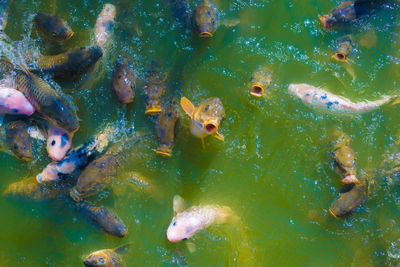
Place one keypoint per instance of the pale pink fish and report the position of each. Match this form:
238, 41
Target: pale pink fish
104, 25
13, 101
187, 222
318, 97
58, 142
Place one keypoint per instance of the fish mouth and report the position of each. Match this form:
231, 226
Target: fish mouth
205, 34
164, 151
350, 179
340, 57
152, 111
69, 35
325, 22
210, 127
256, 90
333, 214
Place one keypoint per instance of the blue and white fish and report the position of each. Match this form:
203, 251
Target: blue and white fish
318, 97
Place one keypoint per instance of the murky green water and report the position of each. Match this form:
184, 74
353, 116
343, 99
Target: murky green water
274, 167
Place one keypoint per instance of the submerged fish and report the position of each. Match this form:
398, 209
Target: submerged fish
206, 18
104, 25
320, 98
350, 200
104, 218
124, 82
53, 27
74, 62
58, 142
260, 81
3, 14
18, 139
181, 12
98, 174
166, 129
154, 90
106, 257
344, 159
344, 48
206, 118
14, 102
187, 222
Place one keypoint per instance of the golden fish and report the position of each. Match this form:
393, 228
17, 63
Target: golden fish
106, 257
166, 130
261, 80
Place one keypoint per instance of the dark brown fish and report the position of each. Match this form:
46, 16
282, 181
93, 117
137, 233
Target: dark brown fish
124, 82
350, 200
166, 129
30, 189
106, 257
74, 62
181, 12
97, 175
18, 140
103, 217
53, 27
154, 90
206, 18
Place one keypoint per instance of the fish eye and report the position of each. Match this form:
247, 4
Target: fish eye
101, 260
53, 142
184, 239
54, 34
16, 146
174, 224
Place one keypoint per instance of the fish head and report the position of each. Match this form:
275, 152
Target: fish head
58, 143
183, 226
53, 27
98, 259
327, 21
164, 150
49, 173
153, 97
14, 102
302, 91
206, 18
18, 140
60, 113
209, 114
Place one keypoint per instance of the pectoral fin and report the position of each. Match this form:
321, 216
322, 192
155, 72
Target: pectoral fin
187, 106
219, 136
122, 249
178, 204
191, 246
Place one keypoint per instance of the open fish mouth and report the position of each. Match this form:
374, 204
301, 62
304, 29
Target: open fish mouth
340, 57
206, 34
256, 90
69, 35
210, 127
164, 151
152, 111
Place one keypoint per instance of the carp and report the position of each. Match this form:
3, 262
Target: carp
154, 90
52, 27
18, 140
344, 159
350, 200
124, 82
166, 129
106, 257
14, 102
344, 48
260, 81
58, 142
206, 18
104, 25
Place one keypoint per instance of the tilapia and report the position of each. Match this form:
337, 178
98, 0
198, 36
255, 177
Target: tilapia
317, 97
53, 27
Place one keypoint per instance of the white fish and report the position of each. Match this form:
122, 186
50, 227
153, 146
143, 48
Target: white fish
318, 97
104, 25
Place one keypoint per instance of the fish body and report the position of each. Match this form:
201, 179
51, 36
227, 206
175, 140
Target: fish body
3, 14
53, 27
18, 140
98, 174
344, 159
166, 129
344, 48
260, 81
206, 18
30, 189
58, 142
320, 98
206, 118
103, 217
14, 102
181, 12
350, 200
106, 257
75, 62
124, 82
154, 90
104, 25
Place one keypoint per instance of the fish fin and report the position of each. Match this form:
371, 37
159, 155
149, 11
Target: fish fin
230, 22
178, 204
396, 101
24, 69
123, 249
191, 246
219, 136
187, 106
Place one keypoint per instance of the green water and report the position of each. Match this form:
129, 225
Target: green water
273, 169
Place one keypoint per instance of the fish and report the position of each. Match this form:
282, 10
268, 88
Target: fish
260, 81
58, 142
206, 18
166, 129
350, 200
206, 118
18, 139
344, 159
104, 218
124, 80
344, 48
154, 89
52, 27
347, 12
317, 97
3, 14
181, 12
106, 257
50, 105
104, 25
98, 174
76, 61
187, 223
14, 102
77, 158
29, 189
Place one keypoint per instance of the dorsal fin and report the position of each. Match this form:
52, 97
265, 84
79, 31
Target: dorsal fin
122, 249
187, 106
